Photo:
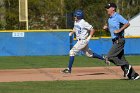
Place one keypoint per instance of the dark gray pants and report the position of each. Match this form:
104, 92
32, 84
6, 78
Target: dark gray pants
116, 55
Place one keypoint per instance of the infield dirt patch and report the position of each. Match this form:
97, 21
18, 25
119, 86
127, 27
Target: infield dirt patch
53, 74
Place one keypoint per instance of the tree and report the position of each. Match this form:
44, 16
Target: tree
2, 15
58, 14
45, 14
11, 14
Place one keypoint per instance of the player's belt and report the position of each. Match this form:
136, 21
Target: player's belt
80, 39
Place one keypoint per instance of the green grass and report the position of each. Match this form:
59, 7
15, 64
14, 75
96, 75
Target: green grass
87, 86
81, 86
54, 62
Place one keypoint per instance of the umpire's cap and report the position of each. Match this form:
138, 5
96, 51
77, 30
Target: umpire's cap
111, 5
79, 14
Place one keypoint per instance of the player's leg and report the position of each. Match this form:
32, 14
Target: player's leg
95, 55
76, 48
68, 70
72, 54
88, 52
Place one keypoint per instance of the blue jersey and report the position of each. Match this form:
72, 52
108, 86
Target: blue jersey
115, 22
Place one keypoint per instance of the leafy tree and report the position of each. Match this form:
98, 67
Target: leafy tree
58, 14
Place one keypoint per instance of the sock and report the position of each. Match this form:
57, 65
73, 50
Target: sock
71, 60
97, 56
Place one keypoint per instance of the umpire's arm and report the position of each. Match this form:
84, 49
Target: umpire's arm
122, 28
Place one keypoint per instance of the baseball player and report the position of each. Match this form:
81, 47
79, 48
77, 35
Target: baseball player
84, 31
116, 25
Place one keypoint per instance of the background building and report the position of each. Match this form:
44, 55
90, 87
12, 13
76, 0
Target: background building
134, 28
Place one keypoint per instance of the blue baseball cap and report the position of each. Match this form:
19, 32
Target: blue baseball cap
79, 14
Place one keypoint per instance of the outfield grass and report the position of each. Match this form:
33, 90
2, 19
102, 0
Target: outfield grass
81, 86
88, 86
54, 62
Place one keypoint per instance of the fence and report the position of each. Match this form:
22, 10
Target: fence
43, 43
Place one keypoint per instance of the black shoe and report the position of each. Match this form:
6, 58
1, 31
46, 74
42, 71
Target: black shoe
135, 77
66, 71
127, 70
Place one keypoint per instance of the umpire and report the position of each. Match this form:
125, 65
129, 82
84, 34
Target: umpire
116, 25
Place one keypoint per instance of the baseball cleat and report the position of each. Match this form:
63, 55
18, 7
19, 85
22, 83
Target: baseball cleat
135, 77
66, 71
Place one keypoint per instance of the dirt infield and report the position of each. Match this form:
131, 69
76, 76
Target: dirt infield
53, 74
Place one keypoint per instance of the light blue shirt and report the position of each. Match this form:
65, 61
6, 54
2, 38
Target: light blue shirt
115, 22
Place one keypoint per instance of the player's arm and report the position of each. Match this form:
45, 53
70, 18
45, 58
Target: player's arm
92, 31
72, 32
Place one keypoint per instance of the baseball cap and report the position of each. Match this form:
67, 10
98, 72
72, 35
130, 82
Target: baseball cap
111, 5
79, 14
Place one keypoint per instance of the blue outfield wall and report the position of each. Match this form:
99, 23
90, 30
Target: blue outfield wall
102, 46
55, 43
34, 43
